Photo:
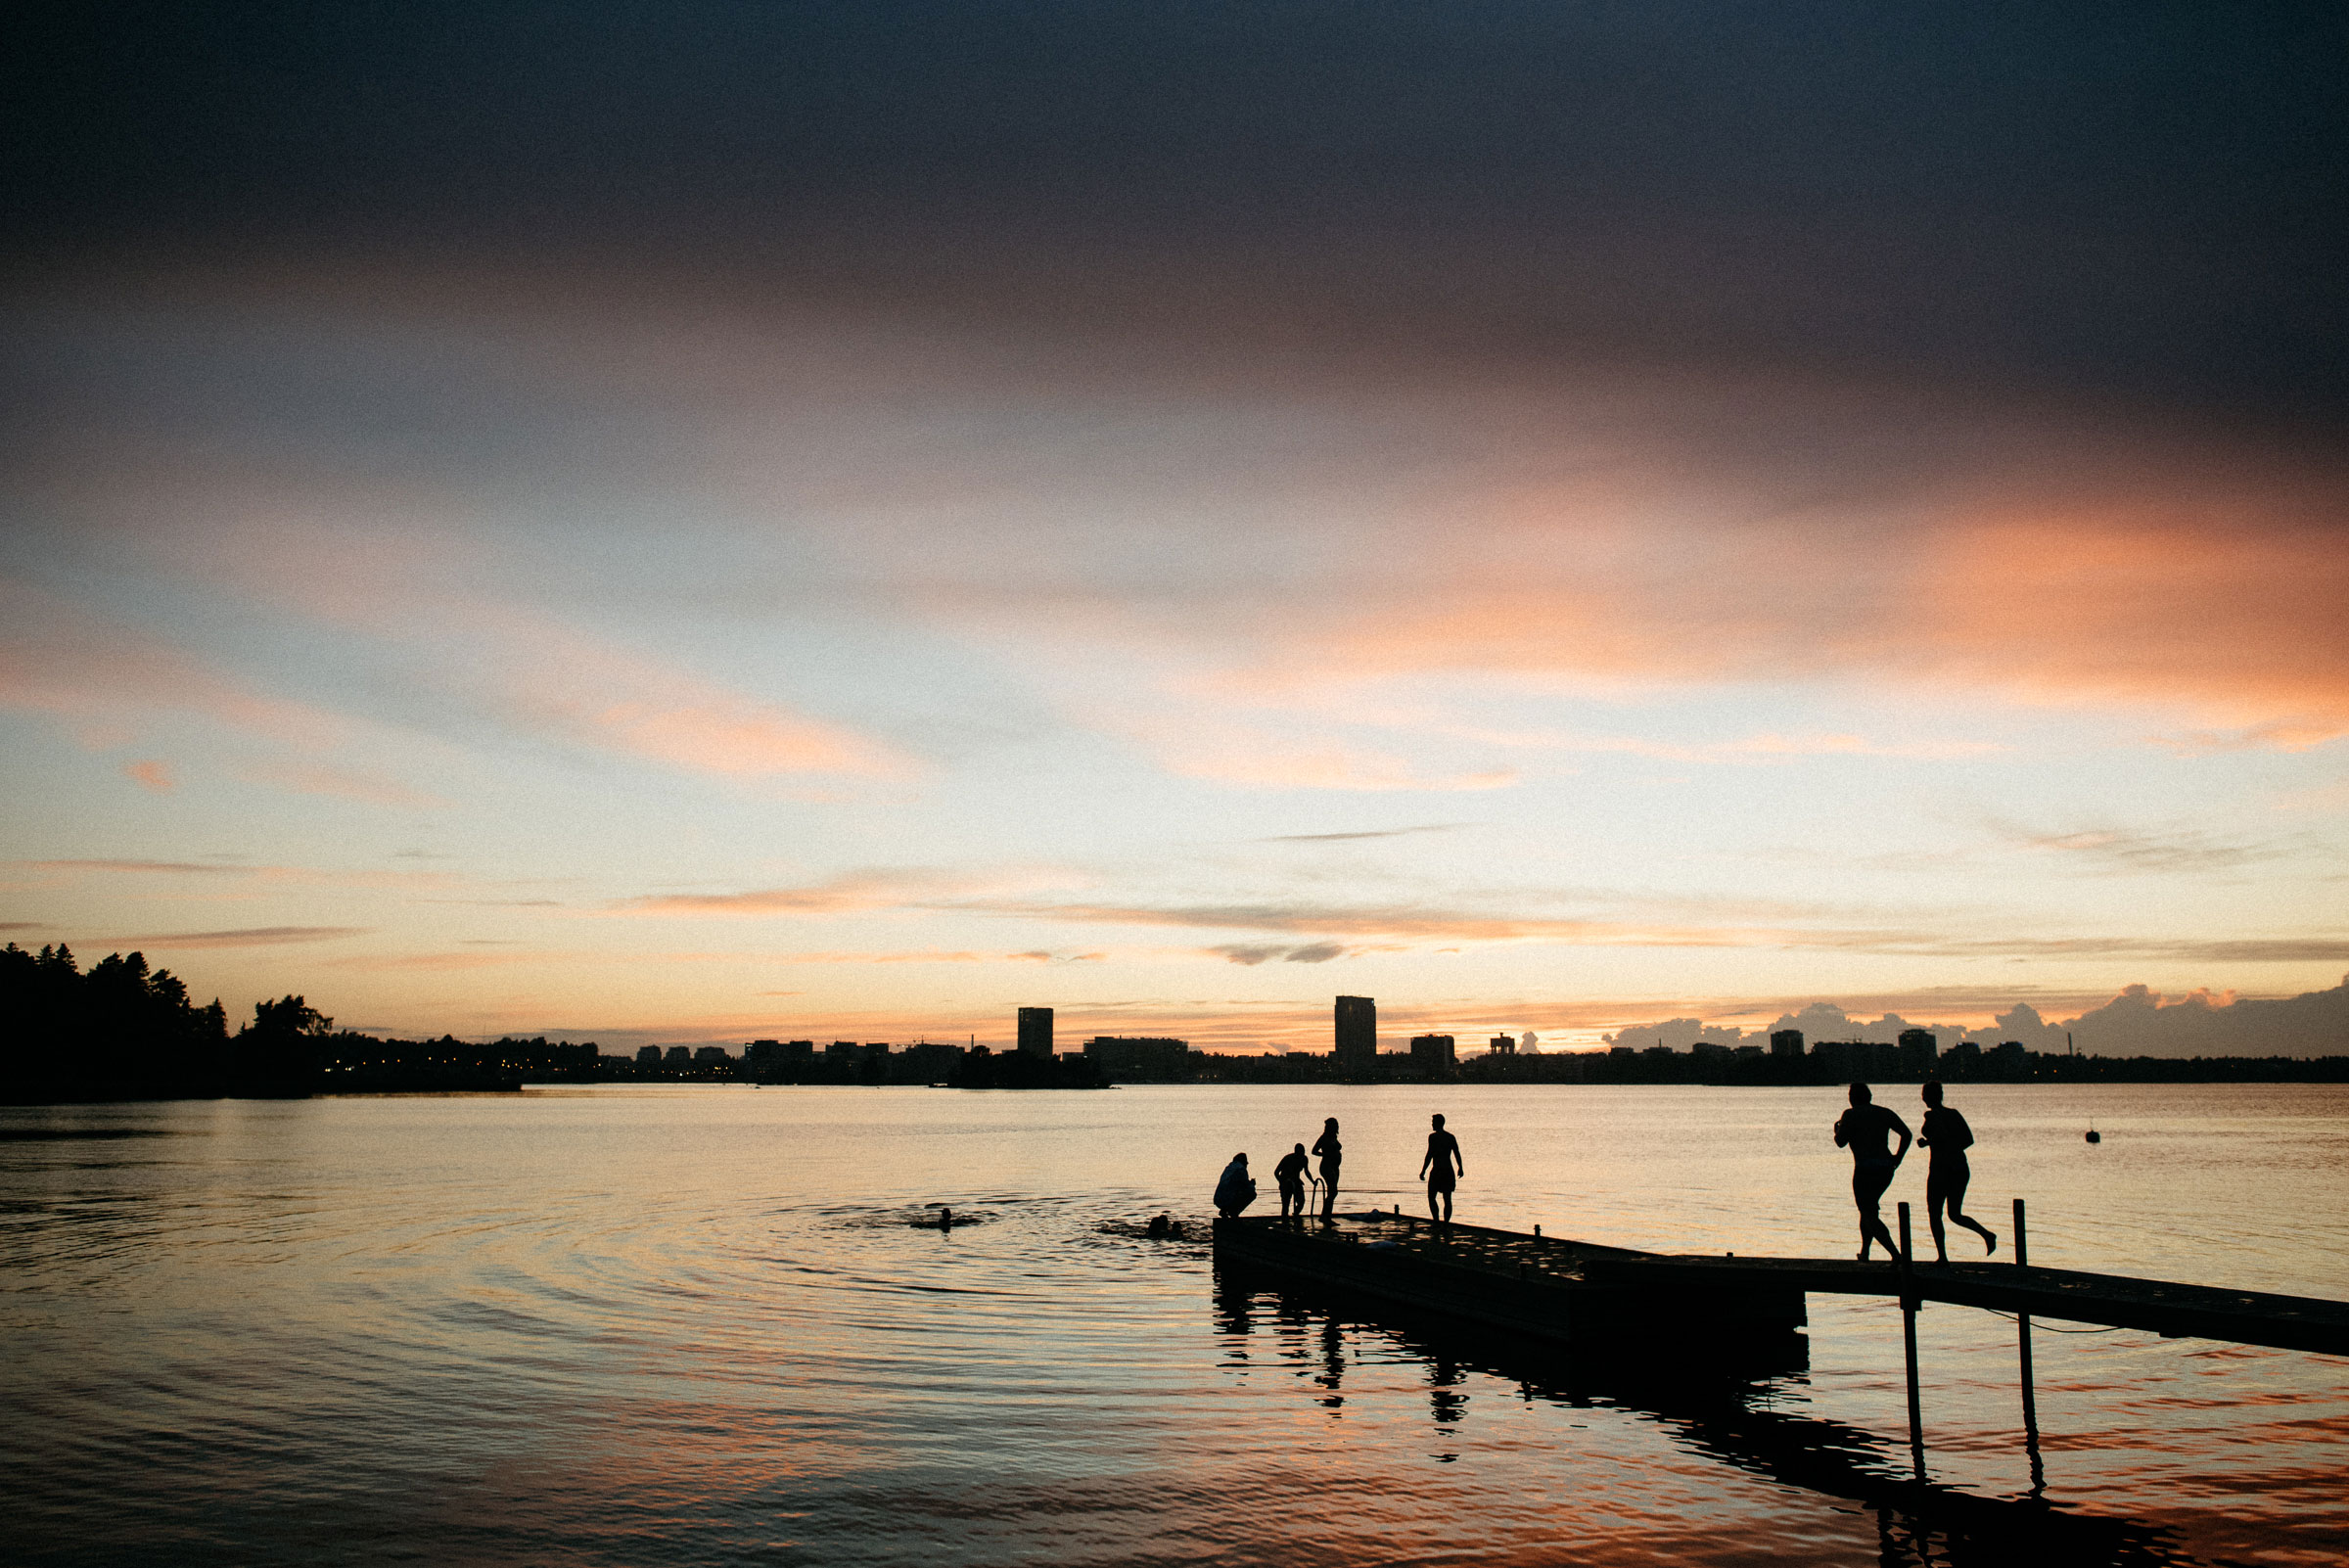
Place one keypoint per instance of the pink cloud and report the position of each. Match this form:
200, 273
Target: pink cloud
313, 778
248, 937
102, 678
849, 892
151, 774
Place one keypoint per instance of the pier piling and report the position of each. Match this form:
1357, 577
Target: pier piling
2022, 1334
1916, 1423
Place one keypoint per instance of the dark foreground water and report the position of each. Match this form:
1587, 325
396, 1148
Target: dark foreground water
648, 1327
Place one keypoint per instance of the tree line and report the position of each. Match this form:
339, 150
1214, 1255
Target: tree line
121, 1030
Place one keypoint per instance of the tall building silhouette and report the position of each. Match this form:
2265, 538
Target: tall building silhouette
1035, 1031
1357, 1036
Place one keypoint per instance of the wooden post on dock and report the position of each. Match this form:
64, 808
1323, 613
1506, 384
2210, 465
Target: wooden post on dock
2022, 1329
1916, 1422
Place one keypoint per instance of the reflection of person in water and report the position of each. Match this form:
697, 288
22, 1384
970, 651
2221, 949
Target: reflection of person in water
1290, 1174
1332, 1153
1863, 1129
1236, 1188
1946, 1133
1441, 1165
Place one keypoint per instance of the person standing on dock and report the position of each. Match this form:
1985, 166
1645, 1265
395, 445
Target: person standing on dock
1441, 1165
1863, 1129
1290, 1174
1333, 1154
1946, 1133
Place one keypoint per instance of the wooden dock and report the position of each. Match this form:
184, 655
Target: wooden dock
1535, 1287
2112, 1300
1557, 1289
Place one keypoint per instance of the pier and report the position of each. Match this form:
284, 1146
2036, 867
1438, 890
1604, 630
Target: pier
1527, 1286
1533, 1288
1553, 1288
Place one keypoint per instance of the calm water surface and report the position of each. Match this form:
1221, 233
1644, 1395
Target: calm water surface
679, 1325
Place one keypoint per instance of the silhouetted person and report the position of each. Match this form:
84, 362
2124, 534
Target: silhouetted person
1333, 1155
1290, 1174
1235, 1190
1159, 1226
1863, 1129
1946, 1133
1441, 1166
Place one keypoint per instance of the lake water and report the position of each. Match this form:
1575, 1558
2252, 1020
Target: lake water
650, 1325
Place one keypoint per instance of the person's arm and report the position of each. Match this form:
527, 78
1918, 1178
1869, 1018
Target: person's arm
1459, 1161
1839, 1131
1902, 1127
1425, 1160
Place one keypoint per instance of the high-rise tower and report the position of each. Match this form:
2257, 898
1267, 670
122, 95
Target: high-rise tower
1357, 1036
1035, 1031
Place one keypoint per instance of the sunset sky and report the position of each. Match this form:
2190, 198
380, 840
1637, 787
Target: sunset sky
682, 523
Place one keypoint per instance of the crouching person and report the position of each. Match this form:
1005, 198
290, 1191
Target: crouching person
1235, 1190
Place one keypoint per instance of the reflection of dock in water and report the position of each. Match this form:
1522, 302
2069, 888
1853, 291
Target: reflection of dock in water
1712, 1407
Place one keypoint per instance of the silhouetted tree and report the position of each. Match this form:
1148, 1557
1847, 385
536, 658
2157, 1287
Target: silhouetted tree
277, 1054
119, 1031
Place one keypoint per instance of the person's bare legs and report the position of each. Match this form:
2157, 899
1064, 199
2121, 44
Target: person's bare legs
1868, 1191
1955, 1196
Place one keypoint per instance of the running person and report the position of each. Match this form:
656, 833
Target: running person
1441, 1165
1946, 1133
1333, 1154
1863, 1129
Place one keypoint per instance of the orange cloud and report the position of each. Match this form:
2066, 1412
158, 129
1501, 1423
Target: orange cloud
343, 784
250, 937
851, 892
1290, 765
444, 960
151, 774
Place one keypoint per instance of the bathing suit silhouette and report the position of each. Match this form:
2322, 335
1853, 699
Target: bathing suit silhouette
1439, 1166
1946, 1133
1863, 1129
1290, 1174
1332, 1153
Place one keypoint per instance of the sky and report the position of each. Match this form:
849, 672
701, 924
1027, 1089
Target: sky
699, 523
